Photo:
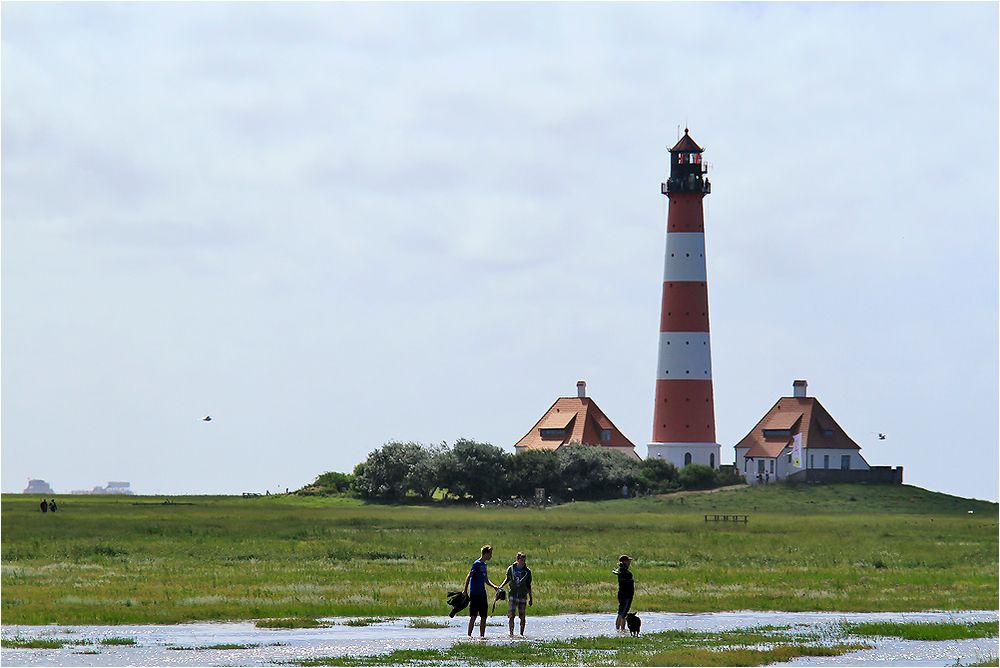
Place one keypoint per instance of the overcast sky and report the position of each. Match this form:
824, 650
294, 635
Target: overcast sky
334, 225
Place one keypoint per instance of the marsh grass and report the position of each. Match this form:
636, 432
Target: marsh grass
367, 621
669, 648
117, 641
922, 630
290, 623
103, 560
420, 623
992, 661
18, 642
229, 646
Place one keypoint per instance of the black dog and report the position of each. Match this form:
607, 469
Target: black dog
633, 622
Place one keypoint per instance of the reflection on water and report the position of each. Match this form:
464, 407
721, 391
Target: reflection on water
178, 645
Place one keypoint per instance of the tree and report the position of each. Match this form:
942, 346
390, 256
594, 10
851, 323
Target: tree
532, 469
425, 477
593, 472
476, 469
388, 471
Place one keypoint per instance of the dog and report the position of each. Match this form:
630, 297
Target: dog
633, 622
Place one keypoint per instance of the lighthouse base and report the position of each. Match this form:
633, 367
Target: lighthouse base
682, 454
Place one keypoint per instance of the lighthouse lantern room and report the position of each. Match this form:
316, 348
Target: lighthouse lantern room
684, 410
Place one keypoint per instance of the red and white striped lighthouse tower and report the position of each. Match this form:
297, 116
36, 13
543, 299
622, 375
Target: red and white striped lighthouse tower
684, 413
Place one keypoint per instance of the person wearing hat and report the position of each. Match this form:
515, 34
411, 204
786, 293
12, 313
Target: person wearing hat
626, 589
519, 577
475, 589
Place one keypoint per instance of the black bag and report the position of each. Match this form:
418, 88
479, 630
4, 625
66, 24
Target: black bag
458, 601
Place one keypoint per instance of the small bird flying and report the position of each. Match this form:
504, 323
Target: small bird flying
881, 436
207, 418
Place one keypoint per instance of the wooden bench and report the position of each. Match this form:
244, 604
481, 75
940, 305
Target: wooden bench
727, 518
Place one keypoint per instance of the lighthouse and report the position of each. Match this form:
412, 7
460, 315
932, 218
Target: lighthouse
684, 411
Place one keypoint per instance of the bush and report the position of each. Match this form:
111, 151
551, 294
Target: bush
697, 476
657, 476
329, 484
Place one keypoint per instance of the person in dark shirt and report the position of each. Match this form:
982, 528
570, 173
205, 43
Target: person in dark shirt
52, 505
475, 588
44, 506
626, 589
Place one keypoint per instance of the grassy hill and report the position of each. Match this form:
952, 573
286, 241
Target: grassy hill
834, 547
804, 499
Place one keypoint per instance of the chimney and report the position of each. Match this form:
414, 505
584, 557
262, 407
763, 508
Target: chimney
581, 388
799, 388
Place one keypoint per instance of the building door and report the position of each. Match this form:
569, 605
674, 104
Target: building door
845, 462
687, 458
826, 461
711, 459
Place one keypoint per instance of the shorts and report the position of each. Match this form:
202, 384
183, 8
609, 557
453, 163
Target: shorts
477, 606
624, 604
516, 605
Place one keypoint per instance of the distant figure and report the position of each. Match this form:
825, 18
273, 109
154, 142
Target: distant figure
881, 436
44, 506
207, 418
626, 589
52, 505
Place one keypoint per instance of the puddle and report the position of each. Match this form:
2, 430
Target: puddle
153, 644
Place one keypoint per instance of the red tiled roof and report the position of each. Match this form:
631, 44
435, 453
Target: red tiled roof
586, 428
686, 144
812, 419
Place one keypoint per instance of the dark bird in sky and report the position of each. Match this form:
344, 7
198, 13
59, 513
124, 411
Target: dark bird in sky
881, 436
207, 418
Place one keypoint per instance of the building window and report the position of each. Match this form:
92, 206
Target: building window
552, 433
760, 467
744, 464
777, 433
845, 462
711, 459
826, 461
772, 466
687, 458
789, 458
605, 435
812, 464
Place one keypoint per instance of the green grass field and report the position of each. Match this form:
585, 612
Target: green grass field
118, 560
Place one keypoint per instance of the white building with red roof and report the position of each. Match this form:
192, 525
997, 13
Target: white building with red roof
770, 452
575, 420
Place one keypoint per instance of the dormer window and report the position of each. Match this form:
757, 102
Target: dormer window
552, 433
777, 433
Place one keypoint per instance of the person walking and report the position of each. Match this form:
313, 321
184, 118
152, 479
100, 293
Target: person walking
475, 589
626, 589
519, 577
52, 505
44, 506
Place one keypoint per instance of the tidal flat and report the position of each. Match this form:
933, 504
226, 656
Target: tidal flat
732, 638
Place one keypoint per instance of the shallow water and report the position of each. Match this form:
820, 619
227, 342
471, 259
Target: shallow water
157, 645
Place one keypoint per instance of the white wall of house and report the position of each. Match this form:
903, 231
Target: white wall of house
779, 468
830, 458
